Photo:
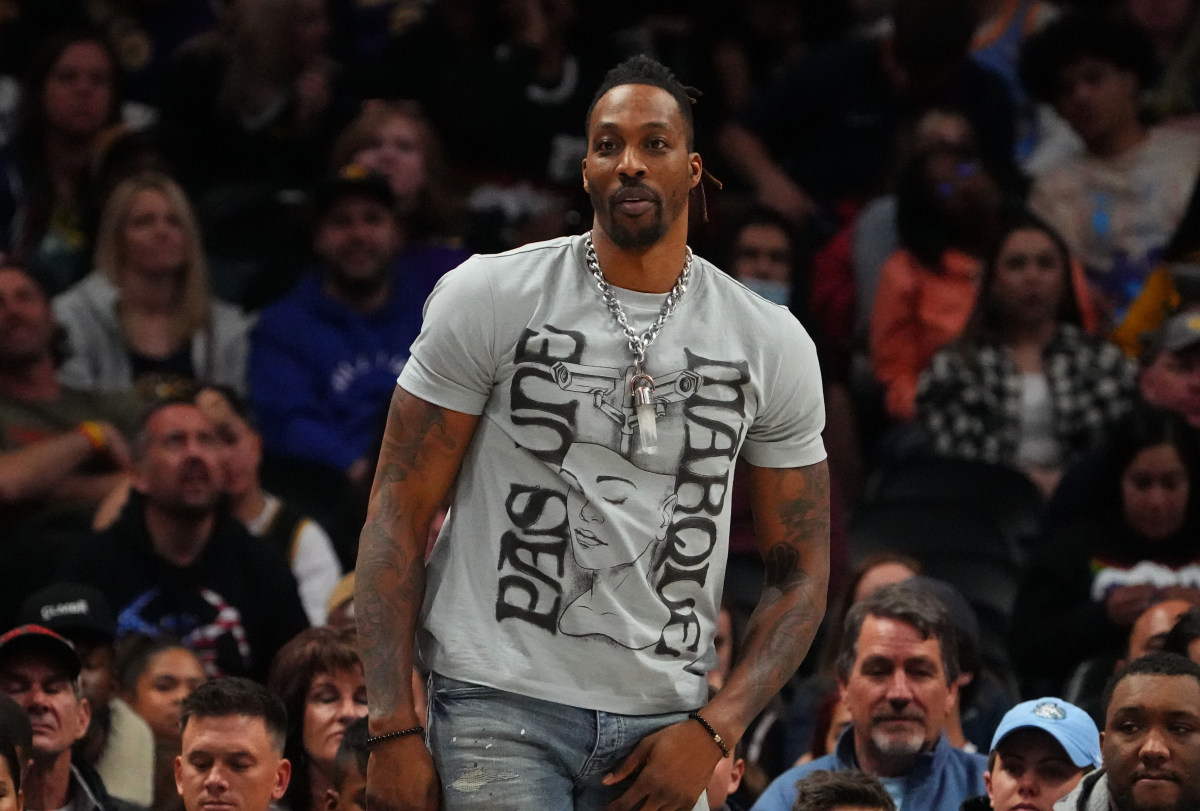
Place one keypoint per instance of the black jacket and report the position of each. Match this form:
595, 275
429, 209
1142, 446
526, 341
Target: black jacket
87, 780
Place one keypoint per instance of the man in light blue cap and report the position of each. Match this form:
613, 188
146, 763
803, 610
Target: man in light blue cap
1040, 751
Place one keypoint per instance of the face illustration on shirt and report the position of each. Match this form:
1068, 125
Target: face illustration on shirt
614, 509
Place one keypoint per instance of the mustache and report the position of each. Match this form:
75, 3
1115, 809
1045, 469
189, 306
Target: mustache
1155, 774
634, 191
883, 719
195, 467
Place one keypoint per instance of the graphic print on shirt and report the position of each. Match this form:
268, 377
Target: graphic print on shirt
619, 551
1106, 577
203, 620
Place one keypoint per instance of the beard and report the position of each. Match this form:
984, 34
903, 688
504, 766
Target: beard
1124, 799
28, 346
898, 745
362, 275
628, 234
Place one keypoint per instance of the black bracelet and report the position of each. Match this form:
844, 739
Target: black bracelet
695, 716
400, 733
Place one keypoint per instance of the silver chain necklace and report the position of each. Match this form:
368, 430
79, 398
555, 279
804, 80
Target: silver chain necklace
641, 385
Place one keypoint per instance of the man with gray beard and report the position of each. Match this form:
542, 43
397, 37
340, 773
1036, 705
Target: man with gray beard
897, 673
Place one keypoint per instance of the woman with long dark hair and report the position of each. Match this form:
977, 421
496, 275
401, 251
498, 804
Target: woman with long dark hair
1136, 545
1024, 385
70, 97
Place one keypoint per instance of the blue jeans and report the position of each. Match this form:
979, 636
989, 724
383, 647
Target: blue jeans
499, 751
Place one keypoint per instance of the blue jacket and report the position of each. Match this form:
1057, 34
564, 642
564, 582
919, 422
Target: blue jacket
940, 780
321, 375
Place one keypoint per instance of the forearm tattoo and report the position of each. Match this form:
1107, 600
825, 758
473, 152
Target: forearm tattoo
390, 573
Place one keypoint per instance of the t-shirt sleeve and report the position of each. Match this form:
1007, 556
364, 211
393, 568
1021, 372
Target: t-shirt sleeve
787, 429
453, 362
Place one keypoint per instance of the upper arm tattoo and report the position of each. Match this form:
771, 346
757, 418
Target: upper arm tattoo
407, 439
797, 503
420, 453
782, 563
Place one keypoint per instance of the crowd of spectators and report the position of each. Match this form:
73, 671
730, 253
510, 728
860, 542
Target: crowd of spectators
219, 223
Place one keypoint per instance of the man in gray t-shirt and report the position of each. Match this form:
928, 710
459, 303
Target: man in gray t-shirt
568, 608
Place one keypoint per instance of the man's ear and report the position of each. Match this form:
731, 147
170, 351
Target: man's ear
85, 717
331, 799
179, 774
283, 774
954, 692
583, 171
736, 772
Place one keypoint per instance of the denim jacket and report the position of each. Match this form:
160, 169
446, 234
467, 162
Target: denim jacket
941, 779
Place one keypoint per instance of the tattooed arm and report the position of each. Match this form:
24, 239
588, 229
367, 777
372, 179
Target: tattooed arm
422, 448
791, 521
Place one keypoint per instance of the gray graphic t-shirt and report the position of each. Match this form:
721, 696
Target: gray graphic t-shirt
574, 566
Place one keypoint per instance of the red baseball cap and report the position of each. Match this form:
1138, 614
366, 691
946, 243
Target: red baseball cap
39, 639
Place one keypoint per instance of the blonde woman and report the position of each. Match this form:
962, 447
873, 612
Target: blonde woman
144, 318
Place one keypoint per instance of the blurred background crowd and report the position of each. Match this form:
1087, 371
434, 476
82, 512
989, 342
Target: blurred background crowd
985, 212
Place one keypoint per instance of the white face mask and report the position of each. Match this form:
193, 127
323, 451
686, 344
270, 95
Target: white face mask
773, 291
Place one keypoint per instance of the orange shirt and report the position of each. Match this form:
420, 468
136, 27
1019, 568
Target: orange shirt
917, 312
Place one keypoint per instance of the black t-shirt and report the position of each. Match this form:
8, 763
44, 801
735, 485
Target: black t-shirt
234, 606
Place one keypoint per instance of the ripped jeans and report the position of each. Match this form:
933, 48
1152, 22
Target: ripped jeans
501, 751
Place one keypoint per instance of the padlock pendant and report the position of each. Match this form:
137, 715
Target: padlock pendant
643, 401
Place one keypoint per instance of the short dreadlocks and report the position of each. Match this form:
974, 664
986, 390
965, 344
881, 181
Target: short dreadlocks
642, 69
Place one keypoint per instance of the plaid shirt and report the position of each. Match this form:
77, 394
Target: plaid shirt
969, 398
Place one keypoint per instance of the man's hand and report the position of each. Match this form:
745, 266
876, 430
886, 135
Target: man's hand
115, 446
673, 766
1126, 603
401, 777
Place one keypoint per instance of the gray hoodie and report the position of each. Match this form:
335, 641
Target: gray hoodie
1090, 795
100, 360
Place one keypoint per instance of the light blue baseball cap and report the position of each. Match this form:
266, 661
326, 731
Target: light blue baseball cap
1073, 728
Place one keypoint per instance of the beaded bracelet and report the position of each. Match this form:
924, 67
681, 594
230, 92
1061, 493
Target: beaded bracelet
695, 716
400, 733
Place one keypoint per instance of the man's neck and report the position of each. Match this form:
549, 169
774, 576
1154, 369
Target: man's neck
48, 784
873, 762
365, 303
1119, 141
35, 381
646, 270
178, 539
